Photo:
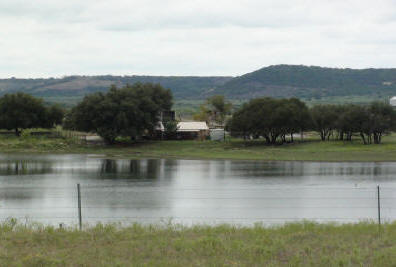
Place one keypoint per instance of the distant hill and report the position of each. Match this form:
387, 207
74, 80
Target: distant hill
182, 87
310, 82
307, 82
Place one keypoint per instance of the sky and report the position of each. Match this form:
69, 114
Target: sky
52, 38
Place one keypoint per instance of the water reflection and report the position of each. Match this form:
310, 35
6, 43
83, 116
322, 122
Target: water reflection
108, 166
131, 169
24, 167
45, 186
154, 168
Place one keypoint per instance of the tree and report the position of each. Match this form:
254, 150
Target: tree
204, 114
300, 118
323, 120
55, 116
275, 119
131, 111
270, 118
353, 120
215, 110
219, 108
369, 122
21, 111
382, 120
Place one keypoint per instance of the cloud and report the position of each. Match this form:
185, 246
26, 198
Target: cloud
173, 37
44, 10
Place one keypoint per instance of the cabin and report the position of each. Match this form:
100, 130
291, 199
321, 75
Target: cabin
193, 130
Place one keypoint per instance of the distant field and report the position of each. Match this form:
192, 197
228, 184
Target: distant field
64, 101
311, 149
346, 100
300, 244
185, 108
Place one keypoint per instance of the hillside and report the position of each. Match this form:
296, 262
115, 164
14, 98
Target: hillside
182, 87
307, 82
310, 82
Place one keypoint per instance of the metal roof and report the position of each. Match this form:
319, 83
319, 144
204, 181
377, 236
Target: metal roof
192, 126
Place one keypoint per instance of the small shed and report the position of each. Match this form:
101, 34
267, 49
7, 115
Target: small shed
191, 130
392, 101
217, 134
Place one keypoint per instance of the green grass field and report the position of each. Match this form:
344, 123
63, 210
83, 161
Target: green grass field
310, 150
298, 244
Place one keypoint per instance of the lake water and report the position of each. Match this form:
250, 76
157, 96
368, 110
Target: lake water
43, 188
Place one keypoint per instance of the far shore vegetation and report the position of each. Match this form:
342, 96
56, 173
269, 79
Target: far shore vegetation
294, 244
310, 149
127, 119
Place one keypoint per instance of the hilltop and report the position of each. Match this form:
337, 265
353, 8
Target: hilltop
183, 87
310, 82
306, 82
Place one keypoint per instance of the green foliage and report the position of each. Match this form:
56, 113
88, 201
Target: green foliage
271, 118
128, 111
214, 110
56, 115
25, 134
170, 129
21, 111
369, 122
324, 119
203, 114
219, 108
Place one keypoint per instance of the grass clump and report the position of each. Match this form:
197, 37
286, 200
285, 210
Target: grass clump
295, 244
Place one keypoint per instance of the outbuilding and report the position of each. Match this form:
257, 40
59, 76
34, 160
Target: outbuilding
217, 134
392, 101
192, 130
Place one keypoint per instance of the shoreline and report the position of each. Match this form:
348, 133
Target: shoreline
191, 158
306, 151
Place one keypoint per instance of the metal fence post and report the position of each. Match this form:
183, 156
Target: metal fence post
79, 206
379, 207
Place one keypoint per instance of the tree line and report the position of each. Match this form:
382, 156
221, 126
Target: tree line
22, 111
130, 111
277, 119
134, 110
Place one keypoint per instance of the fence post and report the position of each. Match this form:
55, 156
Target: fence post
79, 206
379, 206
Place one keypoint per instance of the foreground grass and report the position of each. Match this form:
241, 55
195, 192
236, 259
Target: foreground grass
299, 244
309, 150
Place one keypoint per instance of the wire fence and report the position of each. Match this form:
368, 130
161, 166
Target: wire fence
89, 204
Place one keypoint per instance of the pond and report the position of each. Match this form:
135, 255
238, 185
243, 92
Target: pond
43, 188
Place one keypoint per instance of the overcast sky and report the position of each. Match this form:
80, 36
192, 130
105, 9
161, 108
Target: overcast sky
44, 38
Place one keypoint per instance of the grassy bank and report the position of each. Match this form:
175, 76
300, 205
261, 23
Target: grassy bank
302, 244
310, 150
